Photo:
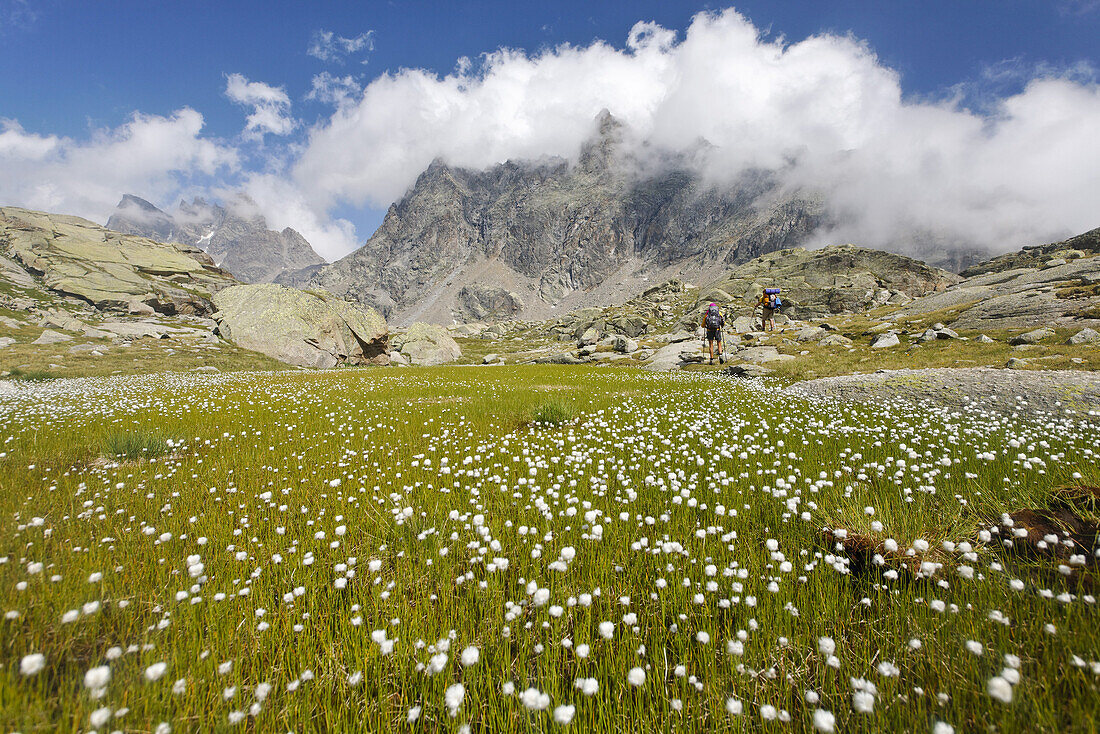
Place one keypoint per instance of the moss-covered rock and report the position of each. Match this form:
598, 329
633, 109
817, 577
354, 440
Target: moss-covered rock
302, 328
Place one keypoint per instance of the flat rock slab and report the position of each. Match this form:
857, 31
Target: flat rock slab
987, 388
52, 337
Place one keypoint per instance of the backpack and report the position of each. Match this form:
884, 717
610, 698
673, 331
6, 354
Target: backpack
713, 319
776, 303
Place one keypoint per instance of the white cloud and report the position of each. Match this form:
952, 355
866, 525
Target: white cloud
824, 110
150, 155
270, 107
335, 90
283, 205
328, 47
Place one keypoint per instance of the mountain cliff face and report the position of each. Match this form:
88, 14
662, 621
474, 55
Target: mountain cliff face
235, 236
554, 236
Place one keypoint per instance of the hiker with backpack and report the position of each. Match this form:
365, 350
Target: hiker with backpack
769, 303
713, 321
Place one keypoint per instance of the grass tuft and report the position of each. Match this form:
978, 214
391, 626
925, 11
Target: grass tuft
552, 413
32, 375
136, 444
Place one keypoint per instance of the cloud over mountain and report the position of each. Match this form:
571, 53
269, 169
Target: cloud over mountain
825, 111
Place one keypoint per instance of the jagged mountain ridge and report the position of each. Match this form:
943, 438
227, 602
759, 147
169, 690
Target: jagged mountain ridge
558, 235
235, 236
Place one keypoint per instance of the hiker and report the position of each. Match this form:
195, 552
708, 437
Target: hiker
769, 303
713, 321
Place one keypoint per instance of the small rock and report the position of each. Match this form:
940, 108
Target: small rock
1032, 337
1084, 336
884, 341
983, 339
1016, 363
625, 345
488, 358
946, 333
835, 340
590, 336
810, 334
6, 341
206, 368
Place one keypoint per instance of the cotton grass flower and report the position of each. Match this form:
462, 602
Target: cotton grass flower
470, 656
636, 677
564, 714
824, 721
155, 671
452, 698
999, 689
32, 664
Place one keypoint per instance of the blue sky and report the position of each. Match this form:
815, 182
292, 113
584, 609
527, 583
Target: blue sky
72, 71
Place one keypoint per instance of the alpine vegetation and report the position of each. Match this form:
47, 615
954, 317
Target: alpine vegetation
367, 550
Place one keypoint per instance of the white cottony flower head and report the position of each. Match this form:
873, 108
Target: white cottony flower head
607, 630
824, 721
734, 706
999, 689
97, 677
155, 671
564, 714
534, 699
452, 697
32, 664
470, 656
636, 677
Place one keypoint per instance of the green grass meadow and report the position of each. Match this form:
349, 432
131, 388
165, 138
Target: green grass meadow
316, 552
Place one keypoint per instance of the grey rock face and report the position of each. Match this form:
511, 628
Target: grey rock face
299, 328
550, 229
480, 302
235, 236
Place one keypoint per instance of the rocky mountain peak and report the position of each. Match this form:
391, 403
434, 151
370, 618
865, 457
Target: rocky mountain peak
235, 235
533, 238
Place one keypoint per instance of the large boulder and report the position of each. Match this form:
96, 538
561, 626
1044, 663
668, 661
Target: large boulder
302, 328
427, 344
111, 271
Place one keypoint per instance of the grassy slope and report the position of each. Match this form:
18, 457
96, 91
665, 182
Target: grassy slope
292, 434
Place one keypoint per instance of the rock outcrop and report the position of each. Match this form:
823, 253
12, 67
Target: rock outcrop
1050, 285
480, 302
561, 235
113, 272
833, 279
301, 328
235, 235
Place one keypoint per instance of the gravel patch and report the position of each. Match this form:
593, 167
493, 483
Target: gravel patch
1003, 391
